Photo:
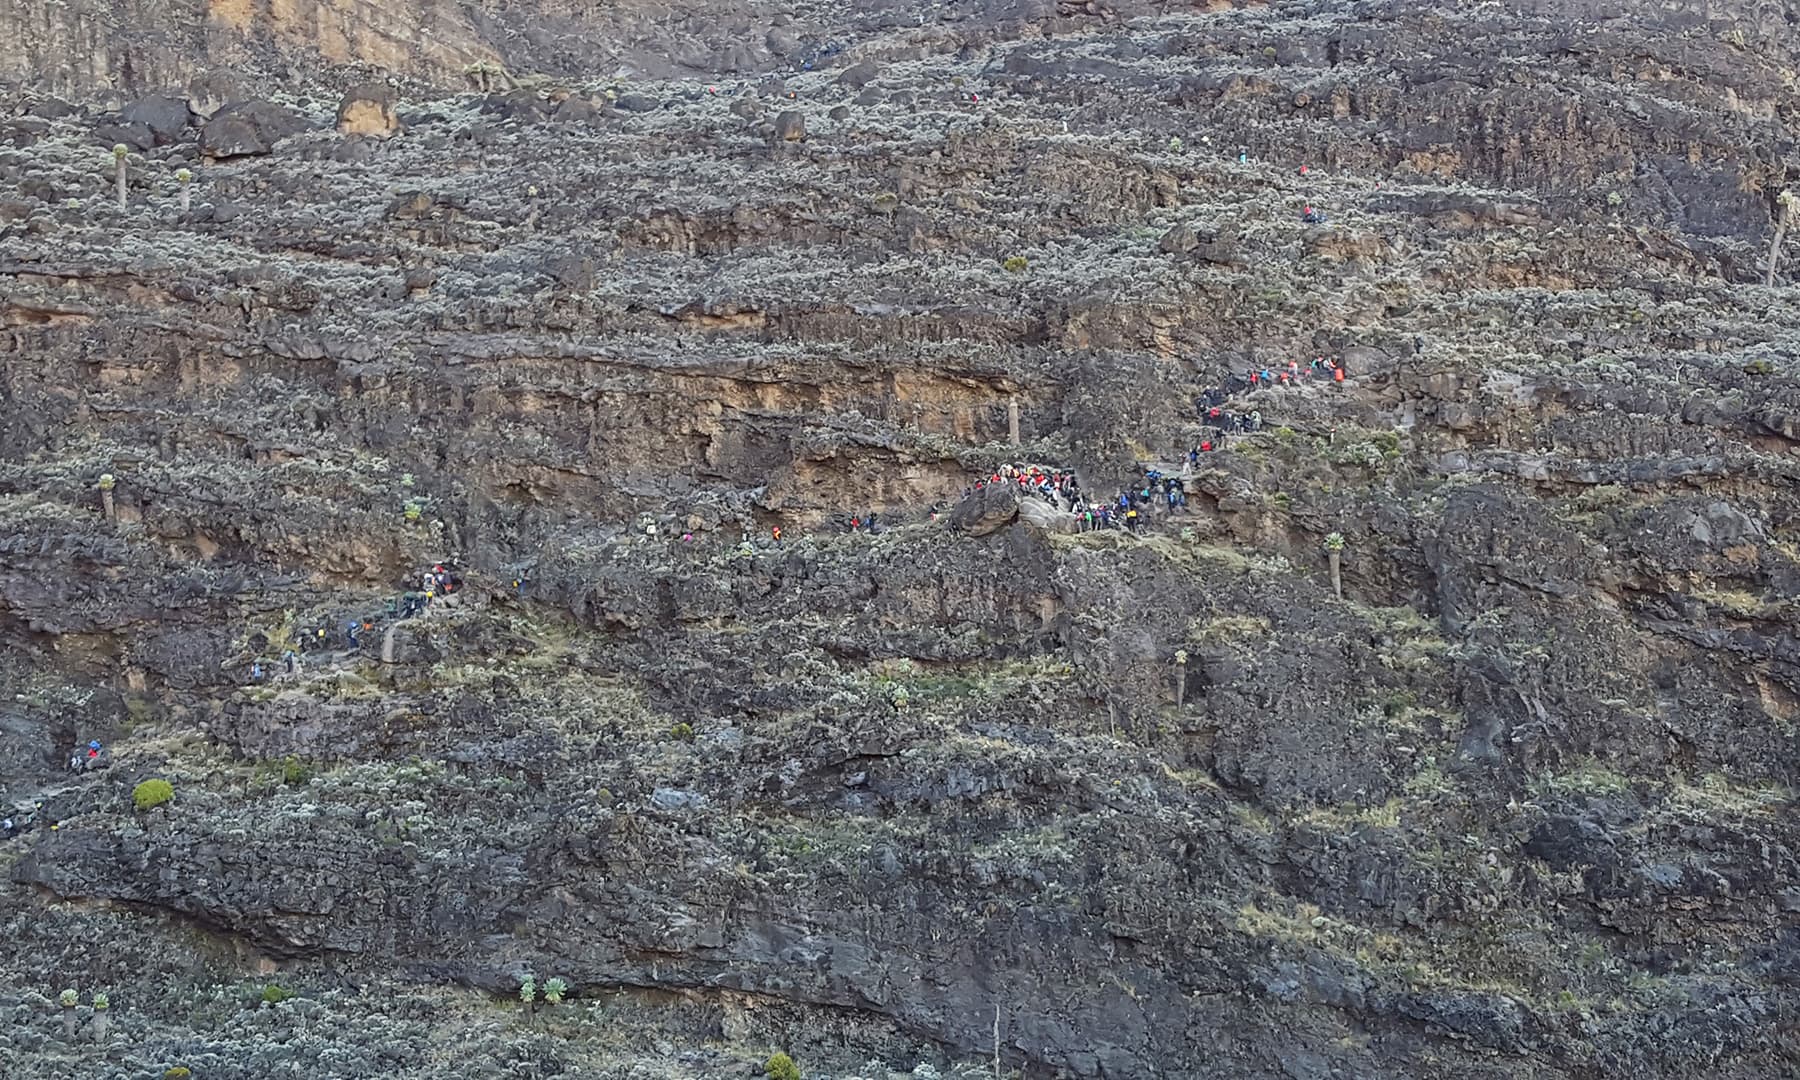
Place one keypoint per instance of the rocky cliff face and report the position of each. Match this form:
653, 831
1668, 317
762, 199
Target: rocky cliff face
1519, 804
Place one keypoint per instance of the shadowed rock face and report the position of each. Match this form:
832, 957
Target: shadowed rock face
588, 302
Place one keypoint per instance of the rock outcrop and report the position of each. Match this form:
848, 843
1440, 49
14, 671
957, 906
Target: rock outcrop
1518, 804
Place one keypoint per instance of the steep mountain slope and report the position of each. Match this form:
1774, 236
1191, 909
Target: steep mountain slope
1519, 803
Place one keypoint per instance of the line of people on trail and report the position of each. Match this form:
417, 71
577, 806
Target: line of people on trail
1293, 373
1152, 490
437, 582
1056, 486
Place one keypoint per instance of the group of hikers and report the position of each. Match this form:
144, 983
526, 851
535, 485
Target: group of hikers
1293, 374
89, 758
1152, 489
435, 583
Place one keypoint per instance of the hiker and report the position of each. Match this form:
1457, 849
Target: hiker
350, 630
290, 662
256, 671
775, 533
1311, 216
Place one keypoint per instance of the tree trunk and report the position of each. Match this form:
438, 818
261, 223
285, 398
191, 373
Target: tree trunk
68, 1024
100, 1025
996, 1041
106, 504
1180, 684
1337, 579
187, 198
1012, 421
121, 183
1775, 245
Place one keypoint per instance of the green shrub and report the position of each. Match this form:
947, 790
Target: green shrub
1015, 265
528, 989
179, 1072
101, 1001
68, 999
152, 793
684, 732
293, 772
781, 1067
275, 995
554, 988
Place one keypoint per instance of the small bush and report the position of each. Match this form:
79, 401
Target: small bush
69, 998
1015, 264
152, 793
682, 732
554, 988
781, 1067
293, 773
275, 995
101, 1001
528, 989
179, 1072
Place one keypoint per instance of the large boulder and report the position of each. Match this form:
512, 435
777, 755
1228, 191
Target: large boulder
248, 128
576, 109
1180, 240
523, 105
637, 103
985, 510
209, 93
368, 109
860, 75
790, 126
1041, 514
166, 118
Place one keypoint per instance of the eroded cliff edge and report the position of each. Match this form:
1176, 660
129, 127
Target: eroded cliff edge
1519, 805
